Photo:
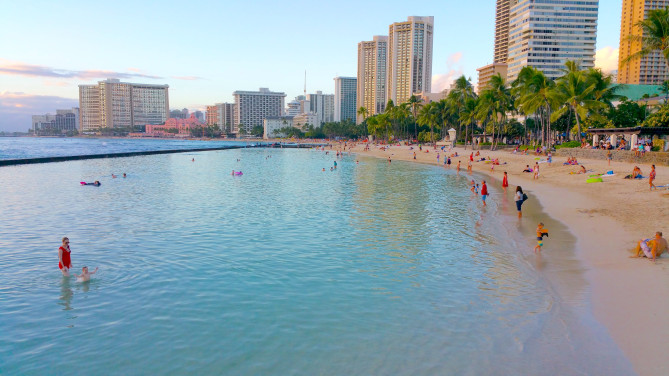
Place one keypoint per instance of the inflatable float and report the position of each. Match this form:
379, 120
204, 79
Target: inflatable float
594, 180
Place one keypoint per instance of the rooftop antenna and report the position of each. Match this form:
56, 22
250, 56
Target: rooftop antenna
305, 84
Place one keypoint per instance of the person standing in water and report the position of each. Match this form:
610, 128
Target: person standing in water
505, 181
541, 232
64, 260
520, 198
484, 192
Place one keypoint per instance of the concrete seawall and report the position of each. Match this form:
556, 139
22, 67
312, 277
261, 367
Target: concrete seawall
654, 157
12, 162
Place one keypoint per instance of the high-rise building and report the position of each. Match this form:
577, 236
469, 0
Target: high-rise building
226, 116
409, 58
545, 34
211, 116
323, 106
501, 32
651, 69
293, 107
252, 107
115, 104
345, 98
486, 73
372, 65
63, 121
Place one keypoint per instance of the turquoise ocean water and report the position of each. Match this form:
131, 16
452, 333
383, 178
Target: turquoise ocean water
374, 268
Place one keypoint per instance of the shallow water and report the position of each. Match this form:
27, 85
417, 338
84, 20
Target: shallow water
39, 147
374, 268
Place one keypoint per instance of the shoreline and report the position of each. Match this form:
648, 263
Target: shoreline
627, 296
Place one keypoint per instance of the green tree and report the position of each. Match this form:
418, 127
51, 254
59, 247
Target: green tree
654, 35
462, 92
532, 90
495, 102
575, 93
364, 112
258, 131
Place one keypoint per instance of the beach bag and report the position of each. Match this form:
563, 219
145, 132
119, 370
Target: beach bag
524, 196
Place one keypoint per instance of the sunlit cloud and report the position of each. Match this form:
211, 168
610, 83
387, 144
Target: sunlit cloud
29, 70
607, 59
16, 108
453, 71
188, 78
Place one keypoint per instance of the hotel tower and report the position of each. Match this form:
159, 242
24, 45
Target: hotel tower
409, 58
372, 64
648, 70
115, 104
545, 34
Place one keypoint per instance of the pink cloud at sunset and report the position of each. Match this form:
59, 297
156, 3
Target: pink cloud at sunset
29, 70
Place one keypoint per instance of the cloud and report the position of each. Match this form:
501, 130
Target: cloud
188, 78
453, 71
29, 70
607, 59
16, 108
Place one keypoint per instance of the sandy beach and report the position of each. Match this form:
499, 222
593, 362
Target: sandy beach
629, 296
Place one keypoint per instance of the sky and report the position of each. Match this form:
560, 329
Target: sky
205, 50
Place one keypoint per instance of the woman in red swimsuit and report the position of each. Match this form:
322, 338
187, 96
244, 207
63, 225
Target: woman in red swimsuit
505, 181
64, 262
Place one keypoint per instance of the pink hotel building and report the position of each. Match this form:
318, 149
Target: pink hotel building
183, 126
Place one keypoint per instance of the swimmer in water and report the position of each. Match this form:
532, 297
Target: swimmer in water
85, 275
124, 175
113, 176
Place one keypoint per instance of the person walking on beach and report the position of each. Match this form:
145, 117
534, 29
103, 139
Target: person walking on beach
520, 198
651, 177
541, 232
651, 248
64, 260
536, 170
484, 192
469, 167
505, 181
458, 166
449, 162
414, 155
609, 155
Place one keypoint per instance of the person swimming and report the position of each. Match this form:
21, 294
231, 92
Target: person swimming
85, 275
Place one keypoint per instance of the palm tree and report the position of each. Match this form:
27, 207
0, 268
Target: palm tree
428, 115
575, 92
654, 35
462, 91
468, 115
362, 111
415, 104
496, 100
533, 96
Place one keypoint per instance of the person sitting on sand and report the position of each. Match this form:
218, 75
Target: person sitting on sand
477, 153
85, 275
651, 248
527, 169
581, 170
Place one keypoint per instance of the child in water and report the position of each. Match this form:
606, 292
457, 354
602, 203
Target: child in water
541, 232
85, 274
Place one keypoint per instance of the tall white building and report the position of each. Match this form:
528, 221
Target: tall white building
115, 104
252, 107
345, 98
544, 34
323, 106
409, 58
372, 65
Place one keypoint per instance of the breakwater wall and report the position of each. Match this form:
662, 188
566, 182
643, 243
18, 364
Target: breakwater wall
12, 162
